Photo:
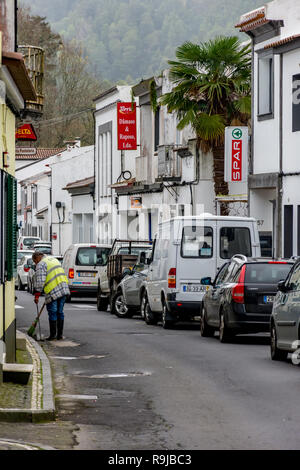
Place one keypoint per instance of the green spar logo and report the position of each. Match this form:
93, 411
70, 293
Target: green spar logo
237, 133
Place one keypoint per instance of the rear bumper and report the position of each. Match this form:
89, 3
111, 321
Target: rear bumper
253, 322
184, 309
80, 291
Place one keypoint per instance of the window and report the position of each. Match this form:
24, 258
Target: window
222, 274
294, 282
156, 129
265, 86
288, 231
296, 103
197, 242
266, 273
235, 240
92, 256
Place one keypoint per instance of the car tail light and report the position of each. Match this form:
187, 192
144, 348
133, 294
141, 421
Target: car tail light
277, 262
21, 247
172, 278
26, 269
71, 273
238, 291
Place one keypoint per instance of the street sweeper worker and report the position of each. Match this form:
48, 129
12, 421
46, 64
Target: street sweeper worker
52, 280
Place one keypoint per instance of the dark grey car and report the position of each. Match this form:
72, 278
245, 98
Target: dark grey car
285, 318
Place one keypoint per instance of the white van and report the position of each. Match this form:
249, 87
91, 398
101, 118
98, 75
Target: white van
187, 249
81, 264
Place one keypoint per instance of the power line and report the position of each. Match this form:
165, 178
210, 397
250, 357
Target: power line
58, 120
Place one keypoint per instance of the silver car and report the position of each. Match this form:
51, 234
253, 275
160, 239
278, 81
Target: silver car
127, 300
285, 318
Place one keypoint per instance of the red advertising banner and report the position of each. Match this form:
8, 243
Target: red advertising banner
26, 132
237, 160
127, 135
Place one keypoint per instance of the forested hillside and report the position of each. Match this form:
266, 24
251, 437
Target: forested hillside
135, 38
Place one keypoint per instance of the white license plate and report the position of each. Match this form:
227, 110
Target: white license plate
193, 288
269, 299
83, 274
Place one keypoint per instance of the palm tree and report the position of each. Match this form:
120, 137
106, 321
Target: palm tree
212, 86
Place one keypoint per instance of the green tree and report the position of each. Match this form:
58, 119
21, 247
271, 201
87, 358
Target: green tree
212, 86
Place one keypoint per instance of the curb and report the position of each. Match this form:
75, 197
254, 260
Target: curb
42, 403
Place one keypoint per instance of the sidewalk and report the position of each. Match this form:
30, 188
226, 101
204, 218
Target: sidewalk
33, 402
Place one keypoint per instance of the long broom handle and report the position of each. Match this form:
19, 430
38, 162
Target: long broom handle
38, 317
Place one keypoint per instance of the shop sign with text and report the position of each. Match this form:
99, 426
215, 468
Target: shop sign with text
127, 134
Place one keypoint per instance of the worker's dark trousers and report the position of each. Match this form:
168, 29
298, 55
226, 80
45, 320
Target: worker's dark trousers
56, 309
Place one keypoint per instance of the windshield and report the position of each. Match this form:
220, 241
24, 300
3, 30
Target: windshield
29, 241
135, 250
92, 256
266, 273
44, 249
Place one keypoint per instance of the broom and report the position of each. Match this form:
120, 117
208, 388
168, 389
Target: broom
31, 330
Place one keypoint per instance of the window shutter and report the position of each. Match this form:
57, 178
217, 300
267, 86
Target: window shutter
11, 228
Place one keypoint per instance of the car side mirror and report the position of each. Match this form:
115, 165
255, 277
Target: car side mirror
127, 272
206, 281
282, 287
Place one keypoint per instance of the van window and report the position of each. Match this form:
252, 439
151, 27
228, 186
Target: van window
92, 256
235, 240
197, 242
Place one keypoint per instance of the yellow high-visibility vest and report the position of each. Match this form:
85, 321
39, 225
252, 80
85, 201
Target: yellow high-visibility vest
55, 274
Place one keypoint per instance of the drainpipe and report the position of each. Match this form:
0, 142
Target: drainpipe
280, 185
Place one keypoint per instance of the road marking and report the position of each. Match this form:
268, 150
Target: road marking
115, 376
83, 306
65, 358
77, 397
18, 307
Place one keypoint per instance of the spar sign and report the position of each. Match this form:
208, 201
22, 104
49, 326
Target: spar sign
127, 137
236, 154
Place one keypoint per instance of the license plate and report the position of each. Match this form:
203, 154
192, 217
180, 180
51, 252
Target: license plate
269, 299
83, 274
194, 288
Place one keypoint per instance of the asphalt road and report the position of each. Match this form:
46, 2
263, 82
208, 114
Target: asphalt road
121, 384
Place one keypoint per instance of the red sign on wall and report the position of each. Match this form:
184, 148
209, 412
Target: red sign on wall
237, 160
26, 132
127, 135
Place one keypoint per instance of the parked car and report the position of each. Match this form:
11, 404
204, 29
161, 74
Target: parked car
285, 318
123, 255
23, 268
21, 253
82, 264
240, 298
27, 242
43, 247
127, 300
186, 249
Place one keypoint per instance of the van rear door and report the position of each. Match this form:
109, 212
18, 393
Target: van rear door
88, 262
235, 237
196, 258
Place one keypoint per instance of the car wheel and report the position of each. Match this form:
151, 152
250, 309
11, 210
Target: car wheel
146, 311
102, 302
167, 324
20, 284
225, 334
120, 307
205, 330
276, 354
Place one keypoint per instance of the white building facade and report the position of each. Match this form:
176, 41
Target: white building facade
274, 197
166, 177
